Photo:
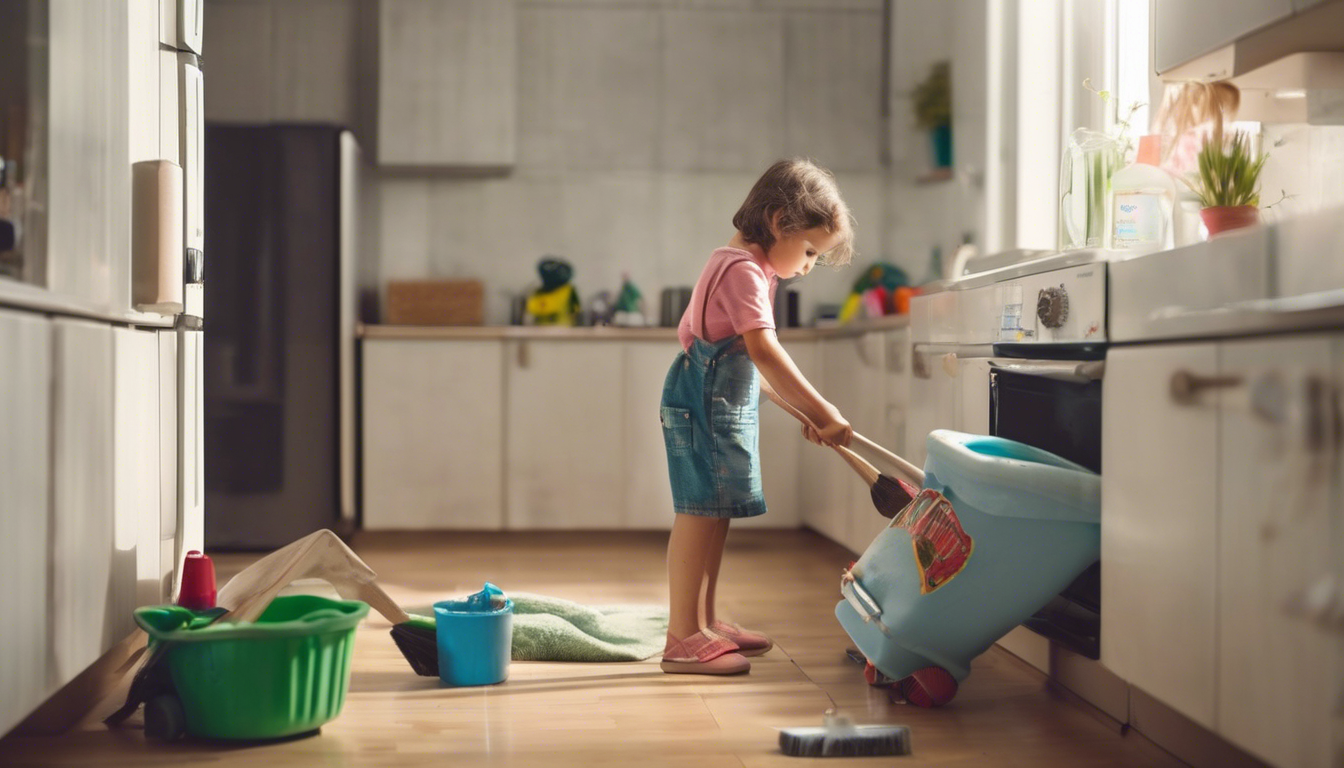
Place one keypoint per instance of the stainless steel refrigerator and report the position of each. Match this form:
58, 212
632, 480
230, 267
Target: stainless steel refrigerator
279, 355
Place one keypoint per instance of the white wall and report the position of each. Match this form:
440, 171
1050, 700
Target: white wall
642, 125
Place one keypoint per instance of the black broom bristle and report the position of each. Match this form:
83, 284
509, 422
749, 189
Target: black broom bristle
420, 646
857, 741
890, 495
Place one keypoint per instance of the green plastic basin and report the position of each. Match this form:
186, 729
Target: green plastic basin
285, 674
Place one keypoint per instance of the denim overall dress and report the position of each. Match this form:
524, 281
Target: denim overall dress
711, 425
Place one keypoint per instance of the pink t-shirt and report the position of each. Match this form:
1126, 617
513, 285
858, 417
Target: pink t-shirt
742, 301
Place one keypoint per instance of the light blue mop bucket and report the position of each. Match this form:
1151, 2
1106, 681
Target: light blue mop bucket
475, 638
999, 529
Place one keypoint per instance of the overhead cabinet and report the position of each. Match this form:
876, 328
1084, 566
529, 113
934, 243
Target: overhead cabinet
447, 83
1221, 39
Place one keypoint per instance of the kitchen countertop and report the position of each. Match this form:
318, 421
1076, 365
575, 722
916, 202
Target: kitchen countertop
604, 333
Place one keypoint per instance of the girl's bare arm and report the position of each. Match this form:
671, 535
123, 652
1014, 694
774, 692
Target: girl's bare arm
784, 378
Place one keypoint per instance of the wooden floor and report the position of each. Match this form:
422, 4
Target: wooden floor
783, 583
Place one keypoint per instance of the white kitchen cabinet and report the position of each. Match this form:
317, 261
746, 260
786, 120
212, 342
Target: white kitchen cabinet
25, 508
648, 491
565, 459
93, 568
447, 83
169, 460
1187, 29
135, 455
1159, 540
1278, 675
783, 452
830, 486
433, 413
88, 151
933, 374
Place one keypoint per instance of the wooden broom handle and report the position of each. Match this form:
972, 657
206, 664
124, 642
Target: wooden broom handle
912, 474
867, 471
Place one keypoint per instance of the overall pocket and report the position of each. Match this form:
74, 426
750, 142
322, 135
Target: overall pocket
676, 429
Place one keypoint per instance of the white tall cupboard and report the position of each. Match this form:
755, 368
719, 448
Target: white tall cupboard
93, 518
1221, 538
25, 525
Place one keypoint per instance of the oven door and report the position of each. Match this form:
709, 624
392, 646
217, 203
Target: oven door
1056, 406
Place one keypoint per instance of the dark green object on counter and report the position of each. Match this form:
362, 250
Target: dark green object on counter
285, 674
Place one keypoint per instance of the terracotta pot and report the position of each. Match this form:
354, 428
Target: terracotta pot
1222, 218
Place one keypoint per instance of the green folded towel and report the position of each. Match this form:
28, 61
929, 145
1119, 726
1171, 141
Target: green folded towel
551, 629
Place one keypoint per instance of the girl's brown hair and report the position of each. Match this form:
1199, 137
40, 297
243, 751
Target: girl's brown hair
804, 196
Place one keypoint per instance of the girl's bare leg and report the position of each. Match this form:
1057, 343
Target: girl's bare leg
713, 560
688, 550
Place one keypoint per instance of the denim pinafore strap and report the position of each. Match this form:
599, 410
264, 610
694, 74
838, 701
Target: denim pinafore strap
711, 424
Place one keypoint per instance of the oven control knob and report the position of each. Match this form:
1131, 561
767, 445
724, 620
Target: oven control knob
1052, 306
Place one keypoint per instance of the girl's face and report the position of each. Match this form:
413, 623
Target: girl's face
796, 254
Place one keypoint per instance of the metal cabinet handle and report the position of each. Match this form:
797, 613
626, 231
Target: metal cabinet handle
1186, 386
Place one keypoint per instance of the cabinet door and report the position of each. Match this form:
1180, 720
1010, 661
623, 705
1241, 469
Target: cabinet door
933, 398
447, 82
168, 463
784, 452
135, 454
93, 590
1188, 29
565, 454
830, 485
433, 448
1159, 496
648, 491
1277, 673
25, 453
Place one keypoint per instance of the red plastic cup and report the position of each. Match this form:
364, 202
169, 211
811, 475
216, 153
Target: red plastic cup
198, 582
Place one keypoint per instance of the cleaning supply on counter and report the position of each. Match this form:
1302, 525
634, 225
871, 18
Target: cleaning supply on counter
475, 638
284, 674
556, 302
873, 291
840, 737
1143, 197
628, 309
198, 582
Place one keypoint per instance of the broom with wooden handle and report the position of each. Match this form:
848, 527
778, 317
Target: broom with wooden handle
890, 495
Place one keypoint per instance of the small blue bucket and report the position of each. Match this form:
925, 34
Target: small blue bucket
475, 638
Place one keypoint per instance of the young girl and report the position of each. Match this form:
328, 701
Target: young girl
792, 218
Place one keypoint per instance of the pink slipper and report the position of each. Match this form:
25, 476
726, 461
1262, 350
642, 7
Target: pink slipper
749, 643
702, 654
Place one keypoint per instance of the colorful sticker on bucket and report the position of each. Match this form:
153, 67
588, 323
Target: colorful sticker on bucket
942, 547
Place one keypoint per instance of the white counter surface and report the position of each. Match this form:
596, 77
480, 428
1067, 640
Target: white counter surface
603, 333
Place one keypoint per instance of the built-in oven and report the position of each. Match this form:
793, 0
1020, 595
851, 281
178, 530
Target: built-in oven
1055, 405
1017, 350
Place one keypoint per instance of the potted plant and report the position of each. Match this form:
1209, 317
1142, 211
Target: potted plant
1228, 183
933, 111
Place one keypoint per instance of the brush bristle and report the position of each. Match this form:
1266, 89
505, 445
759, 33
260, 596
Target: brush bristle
862, 741
890, 495
420, 646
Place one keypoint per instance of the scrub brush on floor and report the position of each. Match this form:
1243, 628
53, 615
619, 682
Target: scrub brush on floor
840, 737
